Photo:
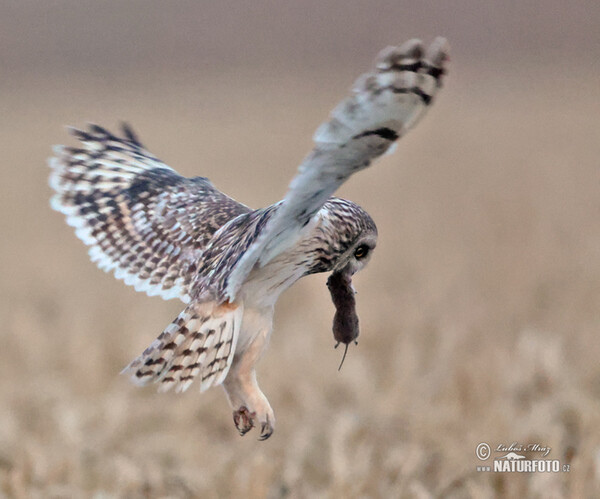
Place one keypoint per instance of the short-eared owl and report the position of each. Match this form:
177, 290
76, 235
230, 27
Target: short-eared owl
182, 238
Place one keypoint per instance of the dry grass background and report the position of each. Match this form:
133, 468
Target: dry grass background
479, 311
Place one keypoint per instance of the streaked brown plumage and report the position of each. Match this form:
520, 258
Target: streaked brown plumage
182, 238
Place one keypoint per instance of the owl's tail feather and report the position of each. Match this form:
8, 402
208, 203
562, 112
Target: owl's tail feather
200, 342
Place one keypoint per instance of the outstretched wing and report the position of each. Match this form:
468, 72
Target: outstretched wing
385, 103
140, 218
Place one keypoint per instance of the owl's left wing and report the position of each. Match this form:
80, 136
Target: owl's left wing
139, 216
385, 103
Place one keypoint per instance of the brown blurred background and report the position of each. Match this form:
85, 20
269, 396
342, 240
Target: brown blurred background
480, 311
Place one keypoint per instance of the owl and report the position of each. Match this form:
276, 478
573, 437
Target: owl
180, 237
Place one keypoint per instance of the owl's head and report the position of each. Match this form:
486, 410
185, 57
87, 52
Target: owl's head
347, 236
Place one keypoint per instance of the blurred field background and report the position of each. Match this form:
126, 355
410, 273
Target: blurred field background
480, 311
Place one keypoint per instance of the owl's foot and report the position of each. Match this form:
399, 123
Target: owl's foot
243, 420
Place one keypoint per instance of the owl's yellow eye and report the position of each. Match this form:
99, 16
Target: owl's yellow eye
361, 251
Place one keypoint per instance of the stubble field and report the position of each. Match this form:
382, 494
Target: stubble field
479, 310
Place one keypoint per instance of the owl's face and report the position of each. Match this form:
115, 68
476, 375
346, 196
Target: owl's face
357, 255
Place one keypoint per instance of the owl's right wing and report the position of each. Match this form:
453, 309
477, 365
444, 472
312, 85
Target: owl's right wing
139, 216
385, 103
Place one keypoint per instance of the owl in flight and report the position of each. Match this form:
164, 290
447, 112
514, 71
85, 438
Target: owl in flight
182, 238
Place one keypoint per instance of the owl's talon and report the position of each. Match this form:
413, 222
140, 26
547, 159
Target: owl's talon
243, 420
266, 430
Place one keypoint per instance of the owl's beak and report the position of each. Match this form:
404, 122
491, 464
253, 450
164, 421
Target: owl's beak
345, 320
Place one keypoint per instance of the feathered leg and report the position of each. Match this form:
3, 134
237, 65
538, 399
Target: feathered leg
250, 406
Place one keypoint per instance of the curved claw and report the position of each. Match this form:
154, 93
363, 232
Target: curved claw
266, 430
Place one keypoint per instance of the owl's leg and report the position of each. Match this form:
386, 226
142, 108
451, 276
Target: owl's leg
250, 406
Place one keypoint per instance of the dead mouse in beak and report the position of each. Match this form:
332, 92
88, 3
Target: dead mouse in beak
345, 321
